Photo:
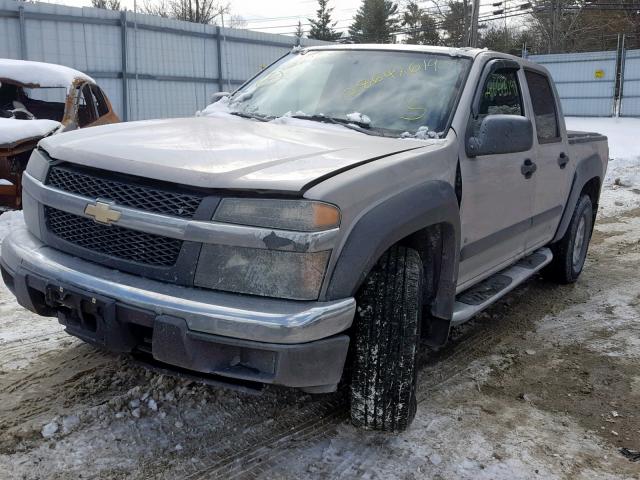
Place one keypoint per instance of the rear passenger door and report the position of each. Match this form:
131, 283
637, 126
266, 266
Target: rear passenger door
497, 198
553, 175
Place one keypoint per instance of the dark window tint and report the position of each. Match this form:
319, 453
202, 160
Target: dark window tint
101, 103
501, 95
544, 106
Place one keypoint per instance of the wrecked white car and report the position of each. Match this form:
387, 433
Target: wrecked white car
37, 100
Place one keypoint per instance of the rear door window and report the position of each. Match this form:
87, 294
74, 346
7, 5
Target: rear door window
544, 107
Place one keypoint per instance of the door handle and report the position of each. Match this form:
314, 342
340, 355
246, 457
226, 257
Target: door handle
563, 159
528, 168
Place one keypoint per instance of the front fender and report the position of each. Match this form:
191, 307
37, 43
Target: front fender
431, 203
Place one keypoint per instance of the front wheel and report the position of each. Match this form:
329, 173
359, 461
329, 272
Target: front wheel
570, 252
387, 334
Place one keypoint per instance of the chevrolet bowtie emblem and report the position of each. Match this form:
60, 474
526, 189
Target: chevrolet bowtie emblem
102, 213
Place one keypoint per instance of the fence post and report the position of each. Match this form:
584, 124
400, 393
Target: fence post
623, 58
23, 34
125, 96
219, 50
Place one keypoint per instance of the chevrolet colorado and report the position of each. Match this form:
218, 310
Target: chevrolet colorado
347, 199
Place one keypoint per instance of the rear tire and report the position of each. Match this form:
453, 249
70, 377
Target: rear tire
387, 334
570, 252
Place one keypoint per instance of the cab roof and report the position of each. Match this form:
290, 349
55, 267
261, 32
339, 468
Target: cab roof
403, 47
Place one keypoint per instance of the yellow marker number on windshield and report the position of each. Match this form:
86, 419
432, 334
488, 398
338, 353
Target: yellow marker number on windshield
396, 72
417, 111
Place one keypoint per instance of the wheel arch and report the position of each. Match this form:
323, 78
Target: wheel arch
586, 179
425, 217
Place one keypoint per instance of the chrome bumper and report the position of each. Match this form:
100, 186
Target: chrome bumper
228, 315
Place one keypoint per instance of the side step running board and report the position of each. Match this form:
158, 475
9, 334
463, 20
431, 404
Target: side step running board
480, 296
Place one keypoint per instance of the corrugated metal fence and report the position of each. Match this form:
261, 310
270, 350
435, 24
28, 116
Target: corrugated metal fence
630, 102
586, 82
150, 67
596, 84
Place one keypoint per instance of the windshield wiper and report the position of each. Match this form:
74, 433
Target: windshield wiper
353, 125
253, 116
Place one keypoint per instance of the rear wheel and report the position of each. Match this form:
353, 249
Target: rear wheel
570, 252
387, 333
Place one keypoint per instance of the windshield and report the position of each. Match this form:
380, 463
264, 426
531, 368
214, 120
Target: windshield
389, 91
32, 103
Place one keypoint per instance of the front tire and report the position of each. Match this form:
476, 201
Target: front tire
570, 252
387, 334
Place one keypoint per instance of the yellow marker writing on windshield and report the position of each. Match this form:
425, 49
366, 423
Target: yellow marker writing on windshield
420, 112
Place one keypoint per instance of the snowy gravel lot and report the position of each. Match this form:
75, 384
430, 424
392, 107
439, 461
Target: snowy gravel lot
544, 385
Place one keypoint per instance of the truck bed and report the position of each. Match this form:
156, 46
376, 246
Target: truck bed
575, 136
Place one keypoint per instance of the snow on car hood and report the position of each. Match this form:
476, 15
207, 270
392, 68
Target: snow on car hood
225, 151
14, 131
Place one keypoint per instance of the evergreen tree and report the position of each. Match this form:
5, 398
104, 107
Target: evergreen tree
299, 33
322, 27
376, 21
455, 24
421, 27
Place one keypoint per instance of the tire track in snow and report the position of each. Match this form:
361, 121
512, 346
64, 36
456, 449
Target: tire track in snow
277, 443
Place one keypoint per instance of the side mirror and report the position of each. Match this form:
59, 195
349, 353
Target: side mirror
218, 95
501, 134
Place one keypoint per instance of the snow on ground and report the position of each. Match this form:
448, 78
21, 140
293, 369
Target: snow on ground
8, 221
544, 385
623, 172
13, 130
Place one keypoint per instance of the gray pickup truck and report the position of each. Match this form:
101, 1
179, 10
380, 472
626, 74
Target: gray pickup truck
346, 205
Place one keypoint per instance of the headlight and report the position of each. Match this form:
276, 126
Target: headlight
298, 215
271, 271
38, 165
255, 271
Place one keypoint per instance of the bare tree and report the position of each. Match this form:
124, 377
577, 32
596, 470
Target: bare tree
159, 8
106, 4
237, 21
197, 11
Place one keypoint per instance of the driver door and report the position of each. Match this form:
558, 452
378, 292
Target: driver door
497, 198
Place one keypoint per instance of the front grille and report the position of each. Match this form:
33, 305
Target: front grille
135, 195
140, 247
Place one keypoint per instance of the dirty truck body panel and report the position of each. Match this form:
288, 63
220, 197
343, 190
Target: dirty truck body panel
237, 246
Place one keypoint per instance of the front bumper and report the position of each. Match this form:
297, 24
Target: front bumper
292, 343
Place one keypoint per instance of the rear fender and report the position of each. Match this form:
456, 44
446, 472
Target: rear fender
587, 169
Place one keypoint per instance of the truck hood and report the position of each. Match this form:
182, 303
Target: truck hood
226, 151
